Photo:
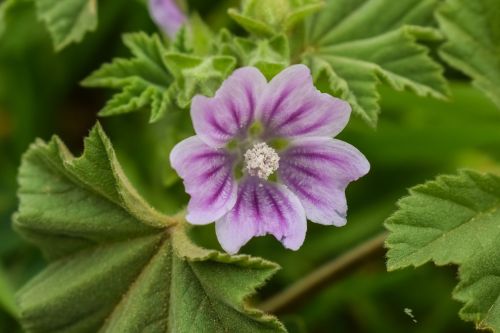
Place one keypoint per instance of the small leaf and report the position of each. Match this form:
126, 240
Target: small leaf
270, 56
351, 48
454, 220
472, 30
181, 42
224, 44
144, 79
201, 35
198, 75
69, 20
263, 17
129, 267
251, 25
195, 38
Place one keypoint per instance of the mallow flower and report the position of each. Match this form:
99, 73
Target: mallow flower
263, 159
167, 15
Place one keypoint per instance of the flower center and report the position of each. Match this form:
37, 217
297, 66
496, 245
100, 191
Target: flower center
261, 160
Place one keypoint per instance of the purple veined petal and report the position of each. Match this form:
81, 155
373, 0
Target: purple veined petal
228, 114
208, 177
292, 107
318, 171
168, 15
262, 208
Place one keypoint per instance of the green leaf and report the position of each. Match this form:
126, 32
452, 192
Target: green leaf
69, 20
144, 79
479, 289
198, 75
3, 11
4, 7
352, 47
7, 300
193, 38
116, 264
472, 30
263, 17
200, 34
454, 220
270, 56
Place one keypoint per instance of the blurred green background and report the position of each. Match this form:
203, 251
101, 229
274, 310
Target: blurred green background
416, 139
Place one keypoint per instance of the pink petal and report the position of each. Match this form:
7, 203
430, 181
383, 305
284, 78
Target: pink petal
292, 107
208, 177
167, 14
262, 208
228, 115
318, 171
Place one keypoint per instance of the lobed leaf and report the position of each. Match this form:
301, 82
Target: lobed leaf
352, 46
144, 80
473, 41
117, 264
69, 20
454, 220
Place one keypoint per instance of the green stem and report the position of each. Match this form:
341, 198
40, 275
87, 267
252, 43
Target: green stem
323, 276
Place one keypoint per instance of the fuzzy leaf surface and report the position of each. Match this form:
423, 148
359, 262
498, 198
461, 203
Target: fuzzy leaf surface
472, 30
454, 220
353, 45
115, 263
68, 21
144, 80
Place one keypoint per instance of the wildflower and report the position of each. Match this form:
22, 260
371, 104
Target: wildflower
264, 159
168, 15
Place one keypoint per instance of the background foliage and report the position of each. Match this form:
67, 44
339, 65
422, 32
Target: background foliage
416, 137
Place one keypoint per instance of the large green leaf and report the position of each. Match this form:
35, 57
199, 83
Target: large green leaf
454, 220
352, 45
144, 80
473, 32
69, 20
116, 264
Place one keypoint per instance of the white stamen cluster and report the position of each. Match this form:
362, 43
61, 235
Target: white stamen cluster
261, 160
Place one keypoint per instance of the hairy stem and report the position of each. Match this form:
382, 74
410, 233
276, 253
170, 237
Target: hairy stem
293, 295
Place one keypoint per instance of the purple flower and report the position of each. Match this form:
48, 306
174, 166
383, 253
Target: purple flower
168, 15
264, 159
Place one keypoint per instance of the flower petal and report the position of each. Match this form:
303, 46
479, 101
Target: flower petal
167, 14
262, 208
219, 119
318, 171
292, 107
208, 177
